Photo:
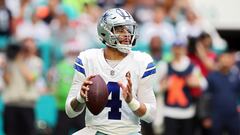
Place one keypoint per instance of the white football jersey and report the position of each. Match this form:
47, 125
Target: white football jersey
116, 118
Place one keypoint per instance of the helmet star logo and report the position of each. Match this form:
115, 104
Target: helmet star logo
105, 16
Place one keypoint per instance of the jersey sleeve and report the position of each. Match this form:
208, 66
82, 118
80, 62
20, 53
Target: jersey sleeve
161, 72
145, 92
78, 79
78, 65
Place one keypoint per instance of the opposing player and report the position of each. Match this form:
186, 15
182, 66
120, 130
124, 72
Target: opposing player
128, 75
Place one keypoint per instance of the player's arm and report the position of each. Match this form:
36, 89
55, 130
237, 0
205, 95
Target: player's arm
142, 109
138, 108
73, 107
146, 97
145, 106
78, 102
75, 102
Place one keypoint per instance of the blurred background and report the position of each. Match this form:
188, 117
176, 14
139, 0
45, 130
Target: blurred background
40, 39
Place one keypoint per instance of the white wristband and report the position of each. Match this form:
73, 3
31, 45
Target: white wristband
79, 98
134, 105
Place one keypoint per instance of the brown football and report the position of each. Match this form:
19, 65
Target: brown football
97, 95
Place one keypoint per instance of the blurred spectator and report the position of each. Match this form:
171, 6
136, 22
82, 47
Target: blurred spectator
130, 6
174, 9
14, 7
148, 3
156, 50
89, 17
180, 81
52, 8
5, 20
60, 78
34, 28
25, 10
142, 14
87, 25
2, 67
224, 89
21, 93
201, 54
78, 5
143, 10
6, 24
237, 58
191, 27
106, 4
194, 25
35, 63
158, 27
61, 32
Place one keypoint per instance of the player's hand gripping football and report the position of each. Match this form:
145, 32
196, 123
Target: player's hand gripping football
127, 90
85, 87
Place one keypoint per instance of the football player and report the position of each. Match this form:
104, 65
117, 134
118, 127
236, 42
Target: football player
128, 75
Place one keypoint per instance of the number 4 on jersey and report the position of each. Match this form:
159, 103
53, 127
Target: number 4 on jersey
115, 103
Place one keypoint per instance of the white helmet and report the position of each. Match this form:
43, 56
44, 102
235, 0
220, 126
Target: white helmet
108, 21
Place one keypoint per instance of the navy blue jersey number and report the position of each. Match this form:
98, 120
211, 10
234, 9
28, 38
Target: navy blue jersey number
115, 103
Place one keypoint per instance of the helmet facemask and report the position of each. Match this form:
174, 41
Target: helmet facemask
123, 37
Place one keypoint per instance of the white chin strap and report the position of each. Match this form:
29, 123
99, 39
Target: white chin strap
124, 48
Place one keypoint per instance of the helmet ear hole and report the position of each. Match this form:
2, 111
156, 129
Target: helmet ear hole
103, 34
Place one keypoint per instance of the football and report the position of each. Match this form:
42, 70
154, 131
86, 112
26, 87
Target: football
97, 95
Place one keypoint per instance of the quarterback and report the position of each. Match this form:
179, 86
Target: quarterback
128, 75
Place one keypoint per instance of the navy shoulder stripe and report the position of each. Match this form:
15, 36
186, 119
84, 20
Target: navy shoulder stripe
150, 65
149, 72
151, 69
79, 69
79, 61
